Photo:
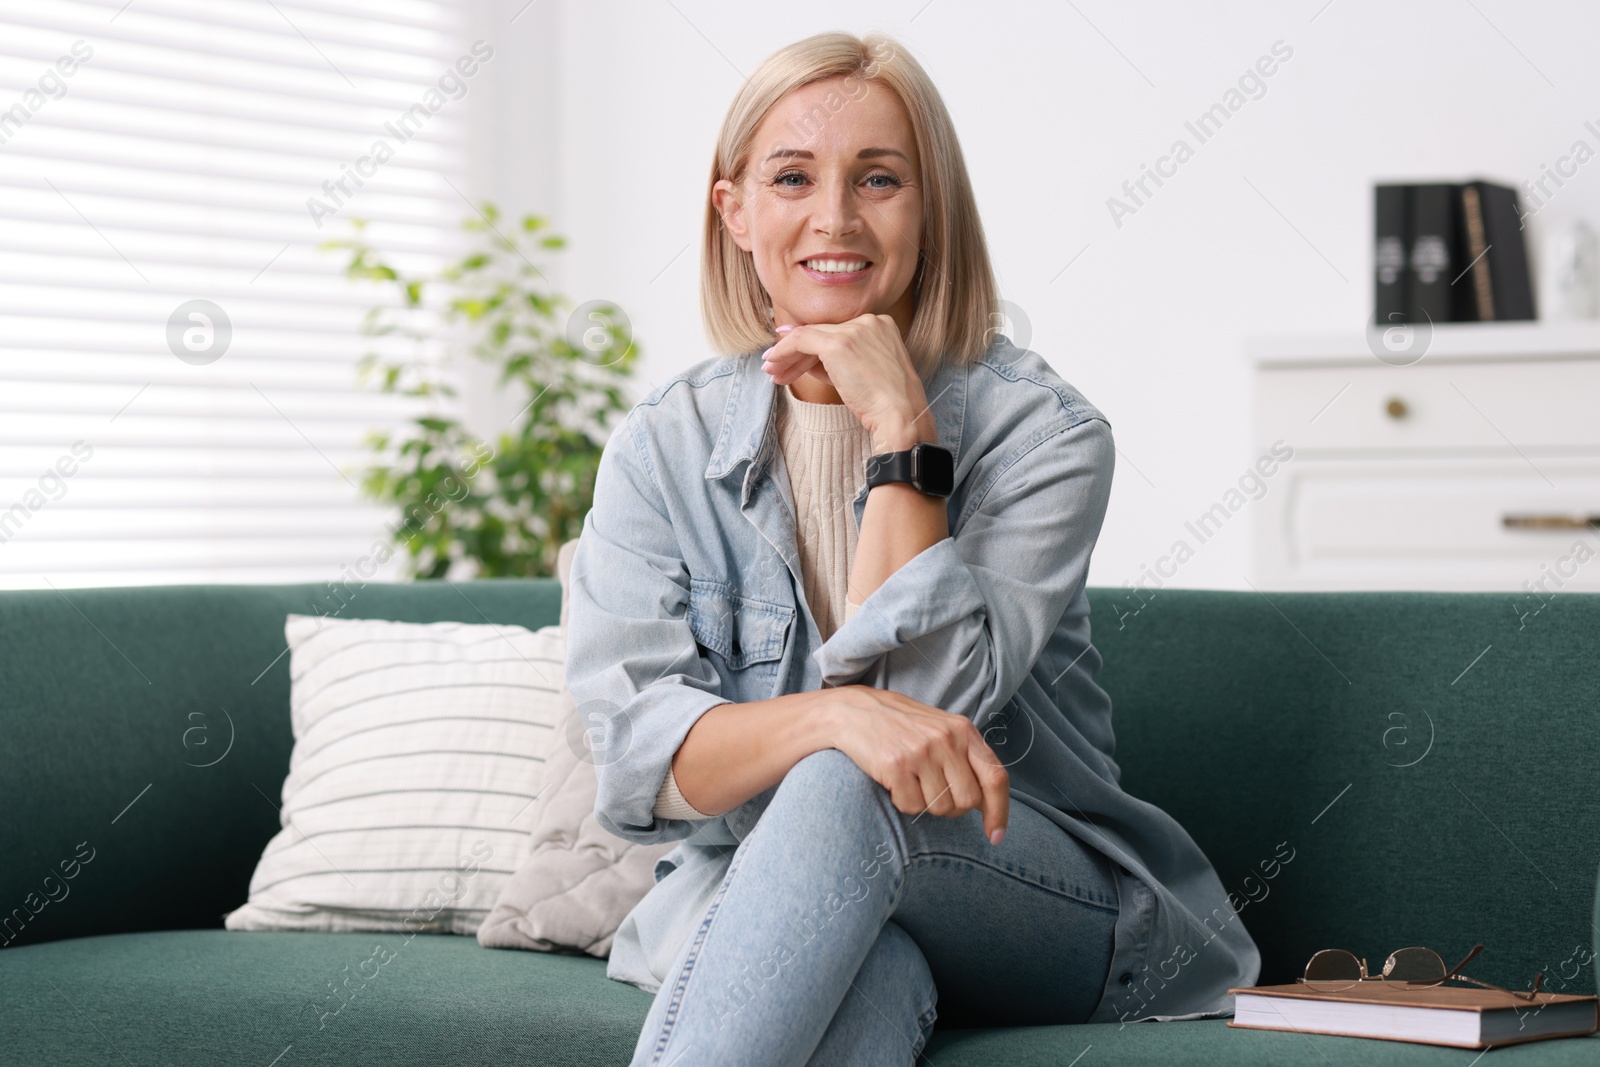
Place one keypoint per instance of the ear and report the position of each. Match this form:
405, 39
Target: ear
726, 198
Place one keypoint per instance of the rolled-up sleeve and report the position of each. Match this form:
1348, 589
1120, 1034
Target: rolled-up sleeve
633, 668
960, 624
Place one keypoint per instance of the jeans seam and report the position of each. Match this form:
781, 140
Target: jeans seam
925, 1020
1079, 896
670, 1016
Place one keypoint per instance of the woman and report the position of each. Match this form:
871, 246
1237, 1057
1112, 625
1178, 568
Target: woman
830, 605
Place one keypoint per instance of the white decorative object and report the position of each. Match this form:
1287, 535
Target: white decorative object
1470, 463
1574, 267
418, 753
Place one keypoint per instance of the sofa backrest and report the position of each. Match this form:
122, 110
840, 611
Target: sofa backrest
1367, 771
147, 737
1430, 761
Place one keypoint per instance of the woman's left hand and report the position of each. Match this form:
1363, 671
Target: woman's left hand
866, 361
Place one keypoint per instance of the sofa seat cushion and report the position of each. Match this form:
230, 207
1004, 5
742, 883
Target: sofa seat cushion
204, 997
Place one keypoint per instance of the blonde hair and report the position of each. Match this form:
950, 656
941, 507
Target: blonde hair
956, 299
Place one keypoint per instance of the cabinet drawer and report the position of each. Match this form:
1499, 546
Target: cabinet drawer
1544, 404
1430, 524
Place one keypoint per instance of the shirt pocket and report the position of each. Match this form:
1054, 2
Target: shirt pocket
743, 632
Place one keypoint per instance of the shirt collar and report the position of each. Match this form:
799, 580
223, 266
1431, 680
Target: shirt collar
744, 418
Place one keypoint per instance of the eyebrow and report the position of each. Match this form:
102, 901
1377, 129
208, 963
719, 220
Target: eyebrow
865, 153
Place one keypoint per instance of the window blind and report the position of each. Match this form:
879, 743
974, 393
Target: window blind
168, 169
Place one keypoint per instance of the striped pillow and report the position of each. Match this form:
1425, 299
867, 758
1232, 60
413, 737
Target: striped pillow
418, 752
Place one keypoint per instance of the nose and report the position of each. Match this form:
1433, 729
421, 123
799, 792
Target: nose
838, 210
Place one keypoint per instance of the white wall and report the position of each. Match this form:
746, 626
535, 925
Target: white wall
1055, 110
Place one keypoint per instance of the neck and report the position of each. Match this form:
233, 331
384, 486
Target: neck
814, 391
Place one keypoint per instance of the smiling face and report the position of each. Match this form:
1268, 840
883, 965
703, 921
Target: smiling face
830, 206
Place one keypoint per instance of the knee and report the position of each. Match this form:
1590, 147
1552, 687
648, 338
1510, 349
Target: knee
830, 784
895, 957
897, 982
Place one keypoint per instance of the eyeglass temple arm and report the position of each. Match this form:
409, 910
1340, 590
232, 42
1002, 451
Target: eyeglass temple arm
1538, 979
1532, 994
1455, 972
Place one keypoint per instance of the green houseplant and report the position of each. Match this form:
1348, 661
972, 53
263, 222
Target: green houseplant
502, 507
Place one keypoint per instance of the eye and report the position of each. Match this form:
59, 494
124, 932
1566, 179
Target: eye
782, 180
894, 182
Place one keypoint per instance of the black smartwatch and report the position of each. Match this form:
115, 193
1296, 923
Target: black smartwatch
928, 468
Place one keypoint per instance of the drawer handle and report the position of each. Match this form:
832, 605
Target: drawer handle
1396, 408
1550, 522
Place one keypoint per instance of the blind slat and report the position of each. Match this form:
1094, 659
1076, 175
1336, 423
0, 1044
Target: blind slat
359, 12
244, 141
197, 229
216, 16
224, 199
241, 111
182, 170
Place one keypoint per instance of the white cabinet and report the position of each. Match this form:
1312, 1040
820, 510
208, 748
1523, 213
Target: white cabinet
1475, 467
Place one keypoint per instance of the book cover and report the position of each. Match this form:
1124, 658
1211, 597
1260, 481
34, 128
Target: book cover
1389, 255
1434, 254
1510, 283
1479, 265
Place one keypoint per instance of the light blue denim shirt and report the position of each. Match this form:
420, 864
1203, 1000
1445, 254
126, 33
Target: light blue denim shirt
686, 593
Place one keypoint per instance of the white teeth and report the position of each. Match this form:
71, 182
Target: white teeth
836, 266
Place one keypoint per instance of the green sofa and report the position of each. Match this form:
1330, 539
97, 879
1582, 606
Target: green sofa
1429, 763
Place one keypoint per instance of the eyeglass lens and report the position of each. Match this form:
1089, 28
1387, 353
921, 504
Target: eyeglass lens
1333, 968
1416, 966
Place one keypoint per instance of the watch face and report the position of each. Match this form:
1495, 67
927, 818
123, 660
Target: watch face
935, 470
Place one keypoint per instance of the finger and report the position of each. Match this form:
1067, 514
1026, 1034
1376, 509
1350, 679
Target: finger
935, 790
996, 785
966, 792
785, 354
789, 375
906, 793
811, 338
796, 367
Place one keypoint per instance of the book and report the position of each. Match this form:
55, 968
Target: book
1434, 254
1436, 1015
1389, 254
1449, 252
1502, 288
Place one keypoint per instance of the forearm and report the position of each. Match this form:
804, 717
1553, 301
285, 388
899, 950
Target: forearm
736, 751
898, 522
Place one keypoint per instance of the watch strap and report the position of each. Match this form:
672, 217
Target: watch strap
887, 467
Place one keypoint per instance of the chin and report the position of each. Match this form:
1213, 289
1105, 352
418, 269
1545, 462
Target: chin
830, 311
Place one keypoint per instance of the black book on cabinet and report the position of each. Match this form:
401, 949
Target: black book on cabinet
1501, 288
1449, 252
1389, 254
1434, 259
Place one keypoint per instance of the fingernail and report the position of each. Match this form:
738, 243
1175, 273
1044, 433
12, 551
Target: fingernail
767, 353
785, 328
997, 836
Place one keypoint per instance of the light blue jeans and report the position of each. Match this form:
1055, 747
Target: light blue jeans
841, 921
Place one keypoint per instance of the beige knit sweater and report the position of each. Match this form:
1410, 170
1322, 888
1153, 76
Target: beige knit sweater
825, 451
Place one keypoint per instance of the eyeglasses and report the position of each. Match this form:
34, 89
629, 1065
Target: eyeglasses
1335, 969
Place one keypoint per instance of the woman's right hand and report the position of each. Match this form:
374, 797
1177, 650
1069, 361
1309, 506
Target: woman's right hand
930, 760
